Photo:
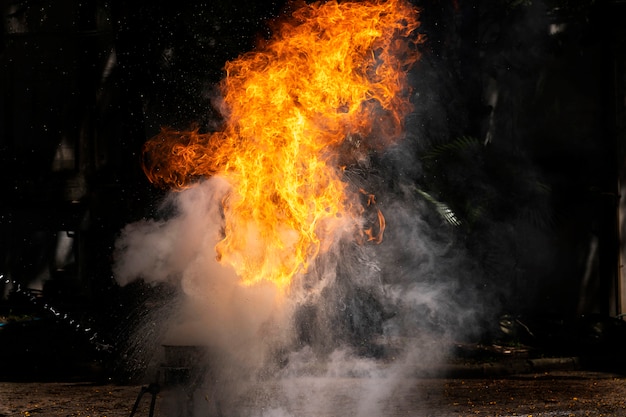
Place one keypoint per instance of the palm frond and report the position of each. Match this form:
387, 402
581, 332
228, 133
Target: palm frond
460, 144
442, 208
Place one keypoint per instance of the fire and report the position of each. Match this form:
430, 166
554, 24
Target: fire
330, 85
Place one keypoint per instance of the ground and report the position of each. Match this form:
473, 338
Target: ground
552, 393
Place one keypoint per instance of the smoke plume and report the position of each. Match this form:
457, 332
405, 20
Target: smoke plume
378, 294
373, 314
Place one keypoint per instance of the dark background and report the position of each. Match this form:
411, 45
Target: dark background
533, 176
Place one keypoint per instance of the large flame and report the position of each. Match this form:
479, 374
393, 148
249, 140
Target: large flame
328, 86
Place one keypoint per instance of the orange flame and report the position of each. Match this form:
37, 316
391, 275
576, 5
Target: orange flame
329, 85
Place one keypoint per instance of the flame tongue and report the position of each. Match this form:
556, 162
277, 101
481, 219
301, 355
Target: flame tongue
334, 71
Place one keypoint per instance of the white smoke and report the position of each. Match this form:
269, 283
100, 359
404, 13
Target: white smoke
368, 315
350, 332
162, 250
181, 250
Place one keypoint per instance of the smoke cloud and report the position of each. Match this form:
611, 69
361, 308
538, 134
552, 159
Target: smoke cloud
363, 317
372, 315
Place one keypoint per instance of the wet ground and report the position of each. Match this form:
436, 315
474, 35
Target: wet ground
551, 393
